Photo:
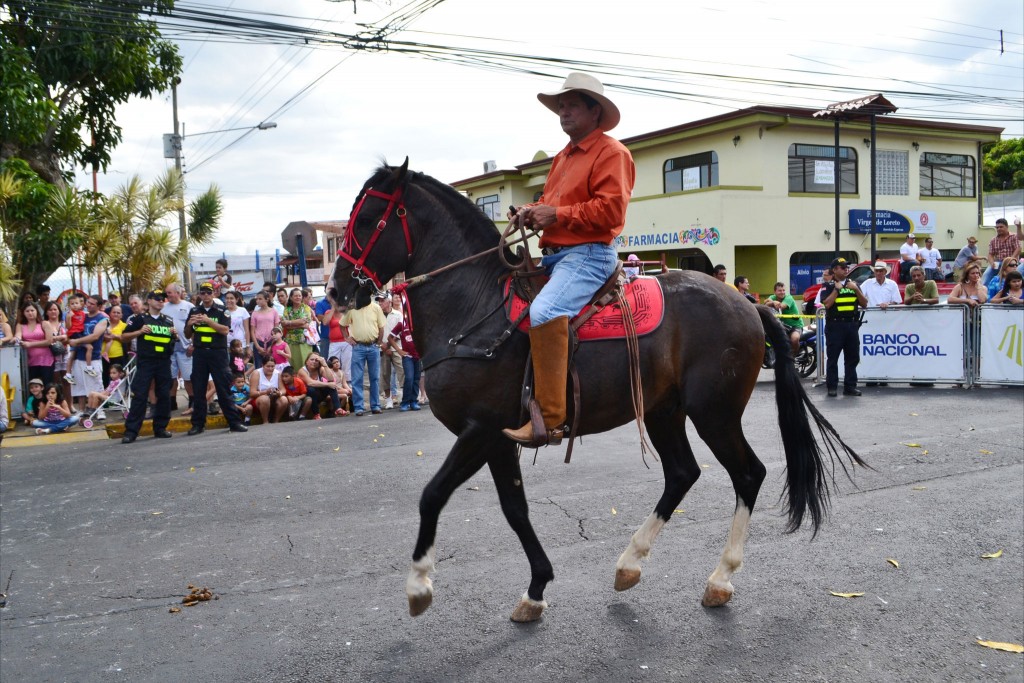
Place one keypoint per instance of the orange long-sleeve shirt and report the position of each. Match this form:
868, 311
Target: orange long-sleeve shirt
589, 185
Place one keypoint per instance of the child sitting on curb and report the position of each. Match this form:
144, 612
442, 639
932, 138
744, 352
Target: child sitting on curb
295, 393
54, 414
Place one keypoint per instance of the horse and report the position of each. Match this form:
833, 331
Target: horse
701, 363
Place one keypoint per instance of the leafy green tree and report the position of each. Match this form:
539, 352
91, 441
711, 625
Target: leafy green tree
42, 224
1003, 164
65, 65
136, 238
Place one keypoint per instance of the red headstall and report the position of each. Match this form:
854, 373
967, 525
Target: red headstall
347, 252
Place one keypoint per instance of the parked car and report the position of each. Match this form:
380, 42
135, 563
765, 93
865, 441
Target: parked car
863, 272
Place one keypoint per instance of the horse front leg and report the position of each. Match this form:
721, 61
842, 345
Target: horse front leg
508, 479
464, 460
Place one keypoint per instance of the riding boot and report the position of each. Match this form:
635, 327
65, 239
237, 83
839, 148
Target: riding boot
549, 344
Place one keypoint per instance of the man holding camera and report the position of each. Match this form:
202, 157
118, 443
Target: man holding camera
843, 300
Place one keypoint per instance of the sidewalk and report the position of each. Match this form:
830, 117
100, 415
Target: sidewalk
21, 436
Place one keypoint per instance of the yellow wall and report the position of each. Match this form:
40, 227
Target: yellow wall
750, 222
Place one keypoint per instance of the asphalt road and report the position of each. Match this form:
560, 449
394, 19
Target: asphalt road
304, 532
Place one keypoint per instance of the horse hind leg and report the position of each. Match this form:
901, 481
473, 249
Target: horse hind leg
464, 460
668, 436
747, 474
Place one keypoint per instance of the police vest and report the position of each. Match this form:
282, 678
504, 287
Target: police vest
158, 342
845, 307
204, 336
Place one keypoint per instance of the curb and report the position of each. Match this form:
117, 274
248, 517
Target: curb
26, 437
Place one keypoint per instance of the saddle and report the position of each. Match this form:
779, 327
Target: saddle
622, 308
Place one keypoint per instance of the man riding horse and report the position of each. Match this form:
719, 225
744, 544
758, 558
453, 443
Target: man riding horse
581, 212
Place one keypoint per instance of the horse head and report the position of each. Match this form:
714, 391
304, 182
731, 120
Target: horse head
378, 242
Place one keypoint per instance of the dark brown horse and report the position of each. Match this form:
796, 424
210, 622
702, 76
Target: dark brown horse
408, 222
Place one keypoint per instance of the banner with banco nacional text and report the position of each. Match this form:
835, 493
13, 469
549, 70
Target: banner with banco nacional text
1002, 335
912, 343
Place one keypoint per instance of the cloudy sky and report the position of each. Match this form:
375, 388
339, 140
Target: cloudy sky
340, 111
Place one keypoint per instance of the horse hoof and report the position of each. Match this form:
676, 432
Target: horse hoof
716, 596
626, 579
528, 610
418, 604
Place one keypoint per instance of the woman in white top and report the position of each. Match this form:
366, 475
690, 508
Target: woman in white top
239, 319
266, 391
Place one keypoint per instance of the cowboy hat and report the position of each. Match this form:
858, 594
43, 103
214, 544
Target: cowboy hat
581, 82
881, 265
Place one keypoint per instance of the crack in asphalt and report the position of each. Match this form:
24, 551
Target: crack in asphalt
579, 520
291, 546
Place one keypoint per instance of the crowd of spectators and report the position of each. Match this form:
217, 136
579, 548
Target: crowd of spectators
289, 356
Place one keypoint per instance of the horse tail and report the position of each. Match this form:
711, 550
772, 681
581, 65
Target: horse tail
807, 474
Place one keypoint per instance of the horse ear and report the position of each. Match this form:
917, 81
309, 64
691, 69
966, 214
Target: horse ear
401, 171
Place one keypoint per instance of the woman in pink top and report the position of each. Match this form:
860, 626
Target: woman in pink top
36, 335
262, 323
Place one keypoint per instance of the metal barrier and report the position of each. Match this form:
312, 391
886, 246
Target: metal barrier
13, 377
946, 344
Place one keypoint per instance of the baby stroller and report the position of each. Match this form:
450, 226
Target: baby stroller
121, 399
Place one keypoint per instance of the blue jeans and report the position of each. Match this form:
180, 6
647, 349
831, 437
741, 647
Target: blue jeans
990, 272
370, 355
57, 427
411, 389
576, 275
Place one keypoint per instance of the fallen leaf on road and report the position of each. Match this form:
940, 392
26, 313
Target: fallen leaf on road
704, 466
381, 435
375, 440
614, 511
910, 445
992, 556
913, 414
157, 513
191, 469
337, 449
678, 511
287, 497
472, 488
919, 488
174, 610
893, 562
1006, 647
984, 452
924, 452
847, 595
419, 454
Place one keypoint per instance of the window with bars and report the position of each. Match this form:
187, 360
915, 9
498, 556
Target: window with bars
691, 172
947, 175
892, 175
812, 169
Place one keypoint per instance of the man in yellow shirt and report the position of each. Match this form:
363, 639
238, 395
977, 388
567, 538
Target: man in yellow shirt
366, 326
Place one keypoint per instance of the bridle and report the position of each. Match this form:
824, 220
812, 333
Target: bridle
359, 269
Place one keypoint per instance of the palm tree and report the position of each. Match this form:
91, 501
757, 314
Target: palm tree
136, 239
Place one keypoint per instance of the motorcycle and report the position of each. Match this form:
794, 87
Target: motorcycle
806, 359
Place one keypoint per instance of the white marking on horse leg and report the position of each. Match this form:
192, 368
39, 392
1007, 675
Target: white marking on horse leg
528, 609
627, 569
719, 588
418, 587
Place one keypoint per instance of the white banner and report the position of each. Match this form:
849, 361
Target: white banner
1002, 336
247, 283
912, 343
691, 178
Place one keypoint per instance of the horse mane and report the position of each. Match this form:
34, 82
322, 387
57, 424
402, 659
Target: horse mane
464, 214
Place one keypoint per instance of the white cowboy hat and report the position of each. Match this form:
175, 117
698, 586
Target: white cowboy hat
881, 265
586, 83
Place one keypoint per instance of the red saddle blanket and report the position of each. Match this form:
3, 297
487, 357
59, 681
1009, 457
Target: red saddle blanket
645, 298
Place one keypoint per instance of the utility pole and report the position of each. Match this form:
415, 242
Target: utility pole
176, 142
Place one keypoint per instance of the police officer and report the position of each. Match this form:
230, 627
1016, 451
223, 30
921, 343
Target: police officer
154, 345
208, 327
843, 300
